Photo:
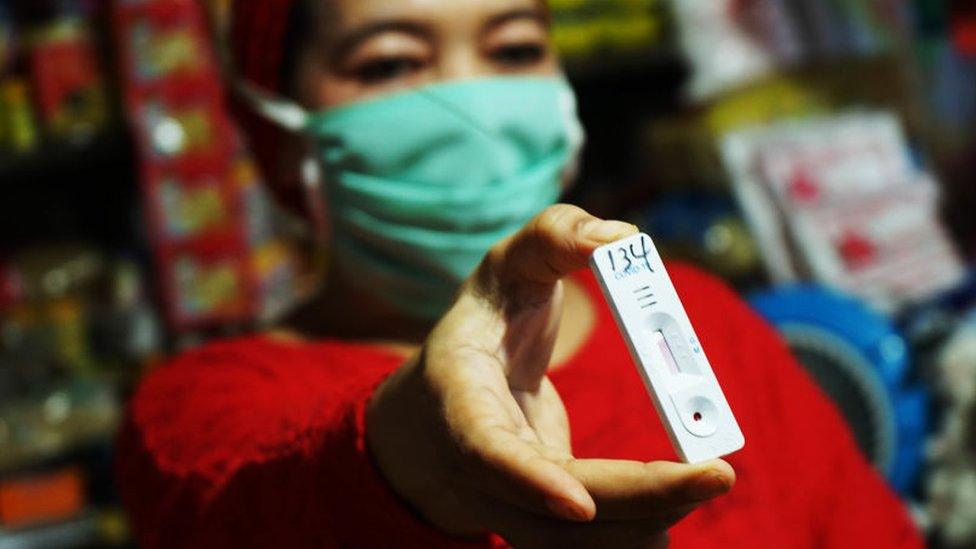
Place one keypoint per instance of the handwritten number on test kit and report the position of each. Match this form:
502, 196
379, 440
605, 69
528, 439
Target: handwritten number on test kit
628, 253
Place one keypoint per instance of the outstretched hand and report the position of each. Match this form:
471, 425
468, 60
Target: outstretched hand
474, 436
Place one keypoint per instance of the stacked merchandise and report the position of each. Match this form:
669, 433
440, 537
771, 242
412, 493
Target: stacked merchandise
952, 482
826, 122
839, 200
67, 79
52, 86
729, 43
75, 322
947, 51
219, 260
76, 328
18, 132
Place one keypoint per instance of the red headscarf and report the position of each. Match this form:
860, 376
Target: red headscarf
258, 30
257, 37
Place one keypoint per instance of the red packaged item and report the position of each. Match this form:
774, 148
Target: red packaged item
39, 499
209, 221
68, 81
208, 282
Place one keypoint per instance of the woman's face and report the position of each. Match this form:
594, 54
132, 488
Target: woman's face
362, 48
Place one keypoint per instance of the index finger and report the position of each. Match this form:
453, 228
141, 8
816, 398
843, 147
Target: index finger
625, 490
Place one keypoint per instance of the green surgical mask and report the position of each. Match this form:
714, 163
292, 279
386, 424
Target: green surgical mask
422, 183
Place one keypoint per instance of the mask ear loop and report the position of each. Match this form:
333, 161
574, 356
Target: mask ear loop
292, 118
313, 186
283, 113
569, 109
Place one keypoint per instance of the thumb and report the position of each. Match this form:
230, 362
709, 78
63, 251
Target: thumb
519, 277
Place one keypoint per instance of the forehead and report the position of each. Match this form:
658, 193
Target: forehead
349, 13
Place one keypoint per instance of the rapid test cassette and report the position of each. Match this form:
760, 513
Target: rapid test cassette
663, 343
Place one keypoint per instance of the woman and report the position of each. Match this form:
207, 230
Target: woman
413, 404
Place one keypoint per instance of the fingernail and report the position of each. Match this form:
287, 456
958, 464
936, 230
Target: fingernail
609, 231
566, 509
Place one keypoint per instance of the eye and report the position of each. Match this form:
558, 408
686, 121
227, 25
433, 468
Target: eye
383, 70
519, 55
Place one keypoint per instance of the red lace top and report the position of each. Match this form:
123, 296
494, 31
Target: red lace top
259, 443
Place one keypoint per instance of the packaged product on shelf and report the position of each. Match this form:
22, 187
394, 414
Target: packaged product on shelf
41, 498
207, 287
213, 233
840, 200
729, 43
276, 275
18, 130
46, 327
69, 84
162, 49
180, 126
951, 480
192, 208
126, 326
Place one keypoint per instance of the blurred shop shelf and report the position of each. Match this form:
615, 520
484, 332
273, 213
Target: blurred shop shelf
86, 429
25, 460
613, 65
82, 532
83, 191
64, 156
